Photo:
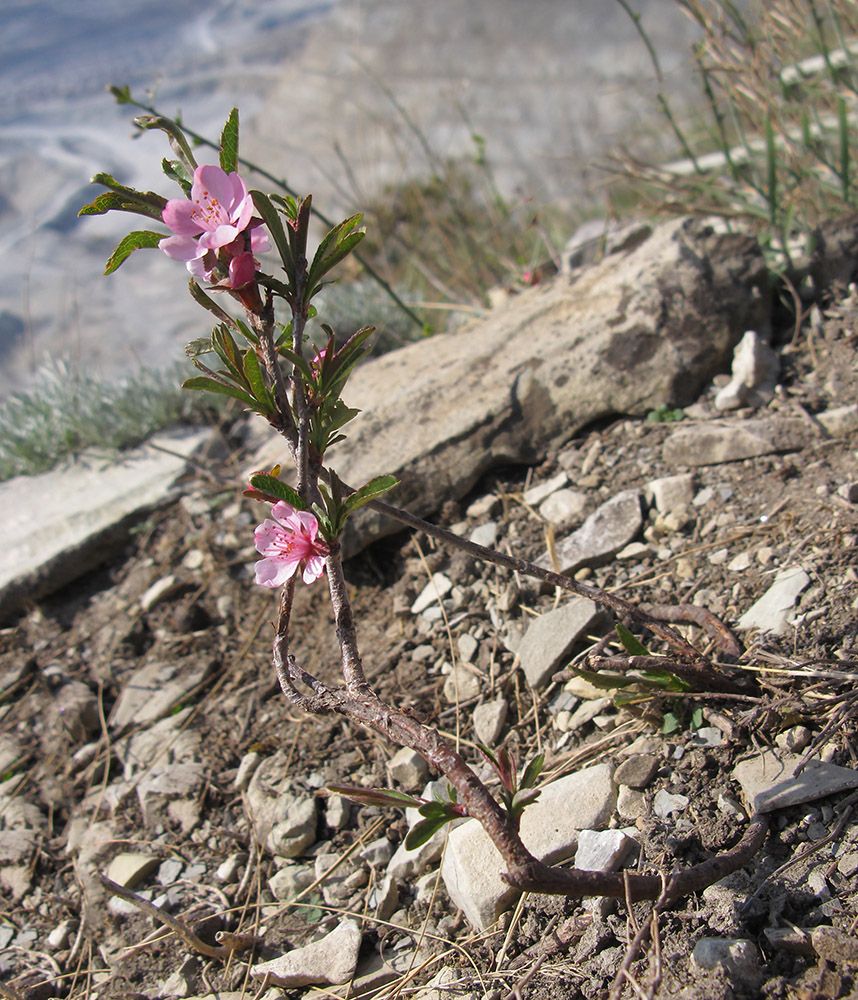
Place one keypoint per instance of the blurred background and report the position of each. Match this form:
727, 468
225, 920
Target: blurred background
485, 118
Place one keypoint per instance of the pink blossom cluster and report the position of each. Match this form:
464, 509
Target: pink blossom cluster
215, 226
288, 541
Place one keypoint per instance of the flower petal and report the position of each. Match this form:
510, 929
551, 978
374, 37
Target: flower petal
274, 572
178, 215
181, 247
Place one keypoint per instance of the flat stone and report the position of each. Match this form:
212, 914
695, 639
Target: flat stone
771, 612
636, 771
284, 822
670, 492
172, 795
549, 639
331, 960
605, 532
769, 780
45, 548
715, 441
623, 336
666, 803
407, 769
489, 719
484, 506
286, 883
631, 804
438, 587
536, 494
467, 646
131, 868
154, 689
485, 534
460, 685
602, 850
563, 506
738, 958
472, 865
839, 421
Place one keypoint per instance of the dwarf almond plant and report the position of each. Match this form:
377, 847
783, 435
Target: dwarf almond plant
261, 357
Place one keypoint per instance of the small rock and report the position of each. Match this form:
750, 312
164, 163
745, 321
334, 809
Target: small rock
756, 368
636, 771
739, 563
607, 530
171, 795
337, 812
633, 551
284, 823
730, 807
461, 685
631, 804
129, 869
77, 706
246, 766
227, 871
706, 736
840, 420
59, 936
602, 850
158, 592
771, 611
586, 712
849, 492
286, 883
795, 739
378, 853
485, 534
331, 960
549, 828
564, 506
384, 898
467, 646
536, 494
739, 959
437, 588
713, 442
549, 640
489, 719
666, 803
671, 492
769, 781
154, 689
484, 506
408, 769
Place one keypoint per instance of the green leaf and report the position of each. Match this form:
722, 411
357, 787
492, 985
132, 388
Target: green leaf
275, 227
122, 94
336, 245
127, 246
277, 488
227, 350
124, 199
201, 345
375, 796
207, 302
671, 723
175, 170
631, 645
604, 680
665, 680
374, 488
229, 143
300, 363
424, 830
532, 771
212, 385
256, 381
697, 717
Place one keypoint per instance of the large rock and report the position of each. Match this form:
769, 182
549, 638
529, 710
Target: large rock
57, 526
646, 327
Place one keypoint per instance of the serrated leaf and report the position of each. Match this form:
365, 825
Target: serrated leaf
229, 143
208, 384
425, 830
374, 488
133, 241
631, 645
198, 346
277, 488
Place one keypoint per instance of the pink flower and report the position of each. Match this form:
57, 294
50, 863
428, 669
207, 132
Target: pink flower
288, 542
215, 226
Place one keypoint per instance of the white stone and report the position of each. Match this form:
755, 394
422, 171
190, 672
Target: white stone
756, 368
563, 506
549, 828
467, 646
408, 769
485, 534
331, 960
484, 506
284, 823
670, 492
840, 421
769, 780
607, 530
602, 850
461, 685
489, 719
666, 803
549, 639
536, 494
740, 959
437, 588
286, 883
771, 611
129, 868
716, 441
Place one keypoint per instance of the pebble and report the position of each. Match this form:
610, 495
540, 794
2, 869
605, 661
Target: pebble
378, 853
536, 494
636, 771
607, 530
602, 850
771, 611
331, 960
549, 639
631, 804
337, 812
564, 506
461, 685
467, 646
707, 736
665, 803
408, 769
740, 959
739, 563
437, 588
158, 592
286, 883
247, 765
484, 506
485, 534
129, 868
848, 492
795, 739
227, 871
489, 719
768, 780
586, 712
670, 492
